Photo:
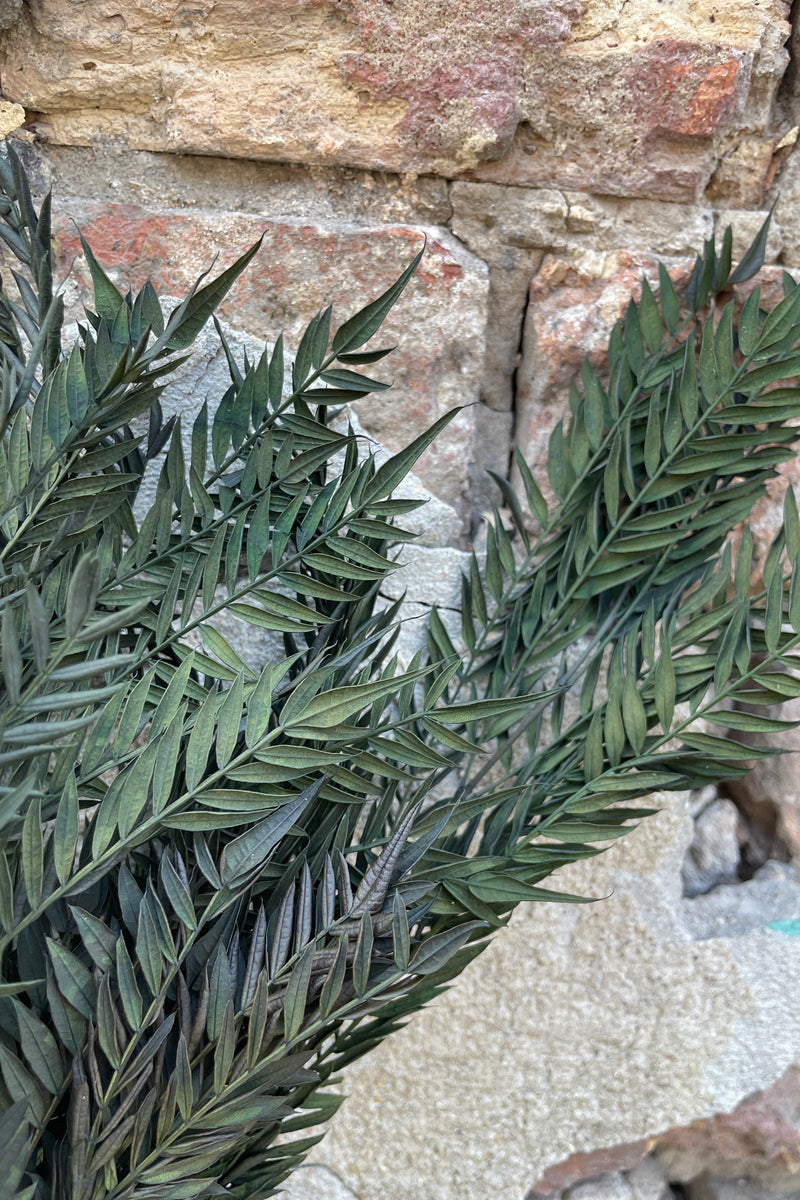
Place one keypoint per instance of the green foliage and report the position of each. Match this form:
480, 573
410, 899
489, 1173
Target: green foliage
220, 886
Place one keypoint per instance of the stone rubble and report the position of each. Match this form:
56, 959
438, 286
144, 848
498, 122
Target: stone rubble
713, 1187
606, 1187
647, 1181
713, 857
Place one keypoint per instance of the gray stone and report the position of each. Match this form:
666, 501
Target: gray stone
606, 1187
434, 523
648, 1181
9, 11
736, 910
700, 798
427, 575
493, 433
714, 1187
315, 1183
713, 856
413, 633
275, 189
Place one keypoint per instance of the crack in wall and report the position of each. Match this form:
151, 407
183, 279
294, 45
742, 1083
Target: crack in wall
515, 378
787, 94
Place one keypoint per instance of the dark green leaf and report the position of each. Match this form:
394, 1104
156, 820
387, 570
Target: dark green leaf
186, 321
106, 297
753, 259
251, 850
360, 328
296, 994
73, 979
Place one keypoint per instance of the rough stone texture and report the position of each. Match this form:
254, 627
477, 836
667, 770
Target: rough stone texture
711, 1187
612, 1022
12, 116
439, 322
786, 209
758, 1141
509, 228
648, 1182
519, 92
607, 1187
730, 910
9, 11
316, 1183
428, 576
106, 171
494, 432
713, 856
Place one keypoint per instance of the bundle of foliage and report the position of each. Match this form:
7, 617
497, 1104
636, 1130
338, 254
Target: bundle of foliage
219, 887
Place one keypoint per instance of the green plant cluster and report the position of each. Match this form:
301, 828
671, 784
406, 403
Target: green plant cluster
218, 886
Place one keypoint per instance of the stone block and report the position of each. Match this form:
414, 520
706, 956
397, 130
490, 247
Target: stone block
574, 301
653, 227
9, 12
787, 211
512, 228
744, 173
431, 569
108, 172
509, 228
427, 576
438, 324
589, 96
